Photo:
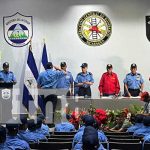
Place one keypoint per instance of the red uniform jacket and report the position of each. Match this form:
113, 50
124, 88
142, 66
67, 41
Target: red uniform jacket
109, 84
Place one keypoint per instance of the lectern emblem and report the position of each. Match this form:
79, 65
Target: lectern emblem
6, 94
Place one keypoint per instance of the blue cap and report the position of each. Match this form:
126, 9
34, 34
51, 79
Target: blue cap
41, 116
139, 118
146, 121
12, 127
31, 124
39, 122
84, 65
5, 65
88, 120
2, 131
90, 138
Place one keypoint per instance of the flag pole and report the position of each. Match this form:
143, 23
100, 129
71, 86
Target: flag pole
30, 46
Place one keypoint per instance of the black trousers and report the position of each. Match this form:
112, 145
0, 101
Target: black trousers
105, 94
53, 99
134, 92
84, 91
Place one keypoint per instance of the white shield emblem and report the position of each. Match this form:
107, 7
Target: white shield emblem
6, 94
18, 29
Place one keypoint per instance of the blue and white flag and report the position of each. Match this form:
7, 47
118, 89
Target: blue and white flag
44, 61
30, 92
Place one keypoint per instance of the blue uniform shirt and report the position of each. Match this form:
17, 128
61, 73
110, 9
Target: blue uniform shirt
135, 127
27, 136
65, 81
38, 136
134, 81
64, 127
145, 130
15, 142
45, 129
49, 78
88, 77
7, 77
5, 147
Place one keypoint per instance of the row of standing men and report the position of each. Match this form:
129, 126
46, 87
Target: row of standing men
61, 78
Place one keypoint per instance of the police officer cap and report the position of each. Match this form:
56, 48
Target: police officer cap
84, 65
133, 65
139, 118
49, 65
41, 116
146, 121
23, 118
90, 137
109, 66
6, 64
89, 120
31, 124
63, 64
2, 131
12, 125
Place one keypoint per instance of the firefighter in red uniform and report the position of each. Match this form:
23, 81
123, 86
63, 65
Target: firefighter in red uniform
109, 83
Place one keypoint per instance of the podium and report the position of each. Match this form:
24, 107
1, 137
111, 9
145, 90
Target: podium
5, 102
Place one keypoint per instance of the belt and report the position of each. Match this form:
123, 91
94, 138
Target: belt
134, 89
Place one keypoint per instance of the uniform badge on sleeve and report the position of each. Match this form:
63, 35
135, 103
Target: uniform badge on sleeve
18, 29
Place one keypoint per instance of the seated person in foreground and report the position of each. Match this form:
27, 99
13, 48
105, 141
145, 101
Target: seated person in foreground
65, 126
89, 121
145, 130
138, 123
32, 129
39, 127
12, 138
25, 135
44, 126
89, 140
3, 145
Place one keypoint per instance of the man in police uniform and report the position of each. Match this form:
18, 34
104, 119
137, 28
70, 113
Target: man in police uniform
48, 79
66, 82
84, 80
7, 76
133, 82
7, 80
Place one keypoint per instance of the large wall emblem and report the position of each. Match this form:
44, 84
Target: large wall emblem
94, 28
18, 29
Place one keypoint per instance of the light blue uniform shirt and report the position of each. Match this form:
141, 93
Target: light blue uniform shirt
15, 142
5, 147
88, 77
145, 130
45, 129
133, 81
49, 78
40, 131
27, 136
135, 127
7, 77
64, 127
37, 135
65, 81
